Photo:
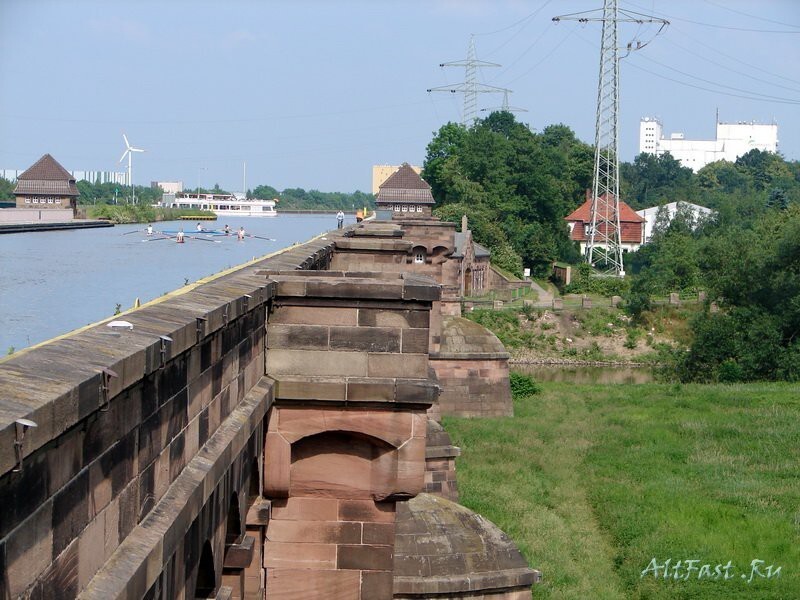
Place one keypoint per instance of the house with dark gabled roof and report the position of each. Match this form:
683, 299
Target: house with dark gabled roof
405, 194
46, 185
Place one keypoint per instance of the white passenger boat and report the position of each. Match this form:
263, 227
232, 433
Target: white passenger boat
223, 205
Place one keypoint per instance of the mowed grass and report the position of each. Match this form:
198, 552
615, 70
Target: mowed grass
593, 482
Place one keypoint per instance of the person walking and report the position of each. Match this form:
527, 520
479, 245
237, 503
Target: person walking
339, 219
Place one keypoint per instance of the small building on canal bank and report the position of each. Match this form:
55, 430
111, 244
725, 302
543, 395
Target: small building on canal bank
46, 186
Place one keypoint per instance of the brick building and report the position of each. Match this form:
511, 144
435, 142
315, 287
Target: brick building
631, 225
46, 185
405, 193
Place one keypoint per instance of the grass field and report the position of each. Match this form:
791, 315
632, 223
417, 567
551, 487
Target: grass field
594, 482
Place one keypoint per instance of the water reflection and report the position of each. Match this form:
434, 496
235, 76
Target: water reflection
581, 374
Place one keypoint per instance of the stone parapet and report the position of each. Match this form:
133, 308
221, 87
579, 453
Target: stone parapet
120, 413
145, 554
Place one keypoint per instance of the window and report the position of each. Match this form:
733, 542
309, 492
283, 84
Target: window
405, 208
419, 209
419, 257
396, 208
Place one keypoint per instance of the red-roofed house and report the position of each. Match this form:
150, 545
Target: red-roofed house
631, 225
46, 185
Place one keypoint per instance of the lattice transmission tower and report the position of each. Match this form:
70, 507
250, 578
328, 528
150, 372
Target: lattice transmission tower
470, 86
604, 243
505, 106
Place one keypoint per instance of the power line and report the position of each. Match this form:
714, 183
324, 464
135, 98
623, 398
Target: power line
524, 52
519, 31
726, 67
733, 10
534, 13
697, 87
545, 57
715, 26
722, 85
212, 121
734, 58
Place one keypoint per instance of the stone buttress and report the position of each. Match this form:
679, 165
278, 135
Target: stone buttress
346, 434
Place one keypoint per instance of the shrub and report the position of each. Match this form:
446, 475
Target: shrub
523, 385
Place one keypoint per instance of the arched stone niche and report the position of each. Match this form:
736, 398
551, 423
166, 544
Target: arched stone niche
344, 453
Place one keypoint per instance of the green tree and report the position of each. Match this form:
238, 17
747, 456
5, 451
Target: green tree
652, 180
520, 182
753, 271
6, 189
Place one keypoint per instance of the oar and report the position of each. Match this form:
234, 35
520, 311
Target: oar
193, 237
258, 237
155, 239
134, 231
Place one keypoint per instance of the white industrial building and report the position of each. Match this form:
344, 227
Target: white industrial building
117, 177
732, 141
169, 187
668, 212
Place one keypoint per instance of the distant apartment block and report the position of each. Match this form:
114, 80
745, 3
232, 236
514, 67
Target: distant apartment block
732, 141
90, 176
169, 187
381, 173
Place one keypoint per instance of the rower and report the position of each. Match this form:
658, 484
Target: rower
149, 229
227, 230
240, 234
179, 236
199, 227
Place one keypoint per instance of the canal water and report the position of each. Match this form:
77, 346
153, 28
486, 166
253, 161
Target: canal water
56, 281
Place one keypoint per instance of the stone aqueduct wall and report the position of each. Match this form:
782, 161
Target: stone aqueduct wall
275, 409
146, 450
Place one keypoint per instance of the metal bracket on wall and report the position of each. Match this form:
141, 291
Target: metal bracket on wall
225, 314
200, 328
105, 379
163, 350
246, 302
21, 426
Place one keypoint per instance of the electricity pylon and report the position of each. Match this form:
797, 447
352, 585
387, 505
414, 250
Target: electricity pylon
605, 231
505, 107
470, 87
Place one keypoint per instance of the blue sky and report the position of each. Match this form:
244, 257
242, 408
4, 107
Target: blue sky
311, 94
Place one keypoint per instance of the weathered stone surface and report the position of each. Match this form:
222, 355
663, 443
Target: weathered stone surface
29, 549
413, 366
364, 557
316, 363
239, 555
300, 555
291, 584
302, 337
442, 548
366, 339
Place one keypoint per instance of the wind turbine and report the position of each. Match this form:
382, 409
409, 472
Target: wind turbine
129, 150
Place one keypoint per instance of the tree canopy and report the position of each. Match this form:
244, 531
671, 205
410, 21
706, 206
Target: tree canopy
515, 185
